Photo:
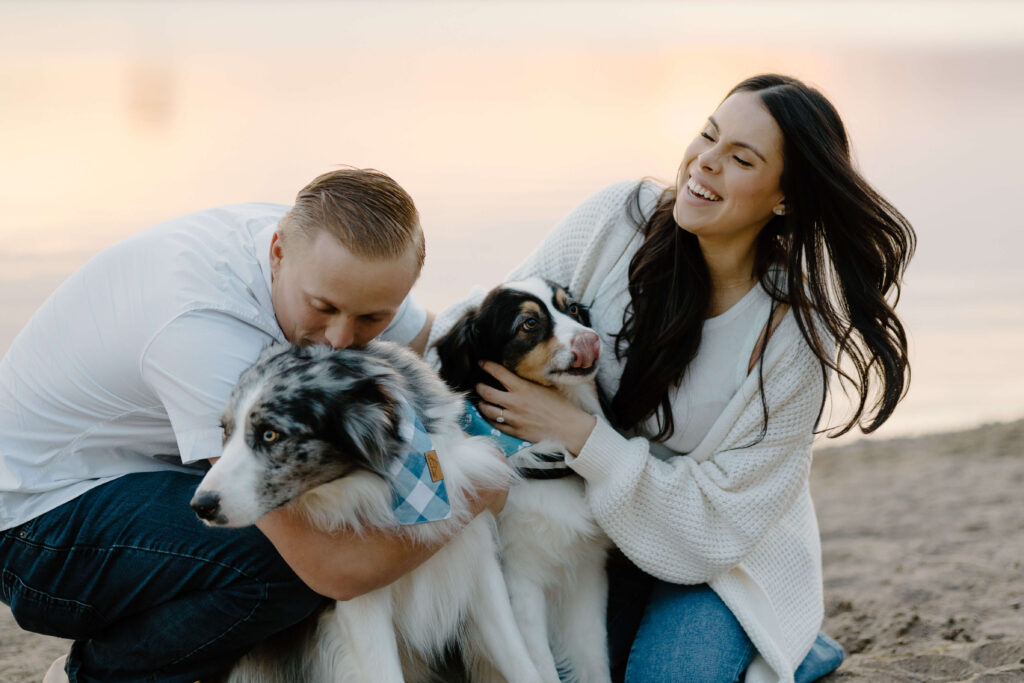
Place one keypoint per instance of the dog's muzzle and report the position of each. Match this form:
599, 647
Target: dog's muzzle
207, 506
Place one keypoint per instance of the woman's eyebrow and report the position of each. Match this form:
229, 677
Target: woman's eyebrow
744, 145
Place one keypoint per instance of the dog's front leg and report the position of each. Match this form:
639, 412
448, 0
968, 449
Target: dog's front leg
581, 636
493, 632
529, 604
371, 648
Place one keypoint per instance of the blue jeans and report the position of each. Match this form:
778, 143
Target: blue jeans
145, 590
660, 631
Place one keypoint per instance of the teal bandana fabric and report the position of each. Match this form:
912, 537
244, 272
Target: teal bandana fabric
417, 482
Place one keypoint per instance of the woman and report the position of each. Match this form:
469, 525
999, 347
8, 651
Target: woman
723, 303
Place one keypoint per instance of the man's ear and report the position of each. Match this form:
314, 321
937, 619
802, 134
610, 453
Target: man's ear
459, 352
276, 252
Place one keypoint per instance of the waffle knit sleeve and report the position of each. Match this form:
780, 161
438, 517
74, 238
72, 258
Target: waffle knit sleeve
691, 517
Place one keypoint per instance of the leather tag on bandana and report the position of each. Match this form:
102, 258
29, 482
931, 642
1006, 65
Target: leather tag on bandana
434, 465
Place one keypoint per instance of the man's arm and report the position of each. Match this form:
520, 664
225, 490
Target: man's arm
419, 342
343, 565
194, 387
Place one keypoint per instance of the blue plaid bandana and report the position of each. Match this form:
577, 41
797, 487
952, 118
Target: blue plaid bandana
417, 482
529, 463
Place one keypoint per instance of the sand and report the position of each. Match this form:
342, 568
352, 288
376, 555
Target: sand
923, 544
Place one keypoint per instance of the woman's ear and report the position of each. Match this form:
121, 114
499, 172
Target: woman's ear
780, 208
459, 353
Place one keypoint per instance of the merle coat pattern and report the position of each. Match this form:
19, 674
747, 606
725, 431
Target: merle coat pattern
318, 429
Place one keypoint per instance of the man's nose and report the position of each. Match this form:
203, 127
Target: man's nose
341, 333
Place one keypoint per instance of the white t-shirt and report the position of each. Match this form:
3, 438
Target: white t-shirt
715, 373
128, 365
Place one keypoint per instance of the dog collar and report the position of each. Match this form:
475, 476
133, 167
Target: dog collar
530, 464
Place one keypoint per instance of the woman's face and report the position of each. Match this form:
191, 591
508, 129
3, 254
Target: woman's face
728, 183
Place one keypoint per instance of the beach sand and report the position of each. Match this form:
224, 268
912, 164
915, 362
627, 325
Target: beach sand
923, 544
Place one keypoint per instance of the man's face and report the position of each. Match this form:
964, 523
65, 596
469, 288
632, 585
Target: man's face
324, 294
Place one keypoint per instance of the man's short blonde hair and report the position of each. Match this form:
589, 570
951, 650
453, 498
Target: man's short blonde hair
366, 210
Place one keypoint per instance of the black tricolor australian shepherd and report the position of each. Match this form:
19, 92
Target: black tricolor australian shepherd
553, 552
320, 429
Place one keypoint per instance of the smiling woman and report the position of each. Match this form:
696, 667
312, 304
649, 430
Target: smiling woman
722, 298
728, 189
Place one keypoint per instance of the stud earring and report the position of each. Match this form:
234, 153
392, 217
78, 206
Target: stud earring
779, 211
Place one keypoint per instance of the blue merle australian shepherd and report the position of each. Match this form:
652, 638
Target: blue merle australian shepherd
320, 429
553, 552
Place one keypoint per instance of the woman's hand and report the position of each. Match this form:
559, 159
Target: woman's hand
533, 412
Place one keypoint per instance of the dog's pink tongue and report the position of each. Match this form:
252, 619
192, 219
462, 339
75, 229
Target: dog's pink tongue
586, 347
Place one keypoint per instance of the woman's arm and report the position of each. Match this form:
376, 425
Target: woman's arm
688, 519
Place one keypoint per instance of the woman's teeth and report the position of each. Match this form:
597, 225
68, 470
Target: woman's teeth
702, 191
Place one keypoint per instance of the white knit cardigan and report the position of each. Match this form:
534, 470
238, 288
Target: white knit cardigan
736, 512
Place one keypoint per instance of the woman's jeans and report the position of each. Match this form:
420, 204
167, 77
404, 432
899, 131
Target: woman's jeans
661, 632
145, 590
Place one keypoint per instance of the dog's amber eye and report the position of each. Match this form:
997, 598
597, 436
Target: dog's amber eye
574, 309
530, 323
270, 436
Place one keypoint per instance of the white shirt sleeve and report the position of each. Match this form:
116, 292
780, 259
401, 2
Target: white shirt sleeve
407, 323
192, 365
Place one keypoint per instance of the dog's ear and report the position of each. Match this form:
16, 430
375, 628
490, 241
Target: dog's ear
459, 353
366, 424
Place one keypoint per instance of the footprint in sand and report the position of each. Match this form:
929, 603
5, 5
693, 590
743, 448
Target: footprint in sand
999, 654
937, 667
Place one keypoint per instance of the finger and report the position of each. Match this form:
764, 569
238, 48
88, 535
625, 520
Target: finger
491, 395
494, 414
507, 378
491, 413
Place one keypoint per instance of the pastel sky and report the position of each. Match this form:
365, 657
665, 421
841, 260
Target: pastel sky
499, 117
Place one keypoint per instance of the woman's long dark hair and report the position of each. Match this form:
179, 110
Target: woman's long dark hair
843, 249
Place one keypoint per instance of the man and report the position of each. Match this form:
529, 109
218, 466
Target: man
113, 392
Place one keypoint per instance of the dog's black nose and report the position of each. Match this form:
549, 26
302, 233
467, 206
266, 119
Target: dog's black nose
206, 505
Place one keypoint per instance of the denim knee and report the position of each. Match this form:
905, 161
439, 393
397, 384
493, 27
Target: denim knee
688, 634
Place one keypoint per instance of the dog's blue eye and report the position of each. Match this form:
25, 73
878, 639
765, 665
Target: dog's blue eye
270, 436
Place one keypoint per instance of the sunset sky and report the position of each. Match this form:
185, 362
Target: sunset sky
499, 117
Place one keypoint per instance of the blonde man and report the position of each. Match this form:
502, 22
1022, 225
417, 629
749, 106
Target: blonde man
111, 396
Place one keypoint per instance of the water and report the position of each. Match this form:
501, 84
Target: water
500, 118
